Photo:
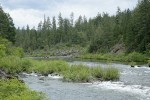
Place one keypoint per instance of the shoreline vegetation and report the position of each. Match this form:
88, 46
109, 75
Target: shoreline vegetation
74, 73
127, 31
13, 89
130, 58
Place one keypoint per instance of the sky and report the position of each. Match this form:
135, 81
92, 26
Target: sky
31, 12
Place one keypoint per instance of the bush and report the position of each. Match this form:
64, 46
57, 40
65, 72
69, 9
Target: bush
131, 57
26, 64
11, 64
49, 67
136, 57
15, 51
15, 90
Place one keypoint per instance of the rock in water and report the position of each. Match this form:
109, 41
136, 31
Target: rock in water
132, 65
42, 78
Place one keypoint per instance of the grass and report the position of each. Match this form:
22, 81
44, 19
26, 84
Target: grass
131, 57
77, 73
13, 89
13, 64
49, 67
74, 73
82, 73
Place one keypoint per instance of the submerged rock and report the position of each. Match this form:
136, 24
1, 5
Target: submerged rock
132, 65
42, 78
55, 76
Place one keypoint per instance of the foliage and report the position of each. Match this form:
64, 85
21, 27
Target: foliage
100, 33
49, 67
137, 57
97, 72
134, 56
3, 46
11, 64
15, 90
7, 29
15, 51
82, 73
77, 73
110, 74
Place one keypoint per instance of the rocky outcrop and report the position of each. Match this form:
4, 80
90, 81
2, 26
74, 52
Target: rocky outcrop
118, 48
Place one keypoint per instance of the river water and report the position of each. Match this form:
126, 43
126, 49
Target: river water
134, 84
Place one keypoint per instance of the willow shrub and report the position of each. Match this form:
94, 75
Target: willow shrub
13, 89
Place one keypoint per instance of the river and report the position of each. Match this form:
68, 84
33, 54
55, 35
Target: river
134, 84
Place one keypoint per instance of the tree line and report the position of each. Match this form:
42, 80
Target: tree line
131, 28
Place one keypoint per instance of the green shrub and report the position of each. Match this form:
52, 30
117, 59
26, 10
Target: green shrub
15, 90
136, 57
26, 64
48, 67
11, 64
15, 51
2, 50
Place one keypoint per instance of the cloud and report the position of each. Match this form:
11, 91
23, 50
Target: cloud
22, 17
31, 12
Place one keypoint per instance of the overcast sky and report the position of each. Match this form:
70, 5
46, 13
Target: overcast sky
31, 12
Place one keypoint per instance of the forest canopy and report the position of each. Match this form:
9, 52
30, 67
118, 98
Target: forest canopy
130, 29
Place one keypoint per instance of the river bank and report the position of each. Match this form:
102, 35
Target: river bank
13, 88
131, 58
74, 73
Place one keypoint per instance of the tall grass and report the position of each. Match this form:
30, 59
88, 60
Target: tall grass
75, 73
15, 90
131, 57
49, 67
82, 73
110, 74
11, 64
